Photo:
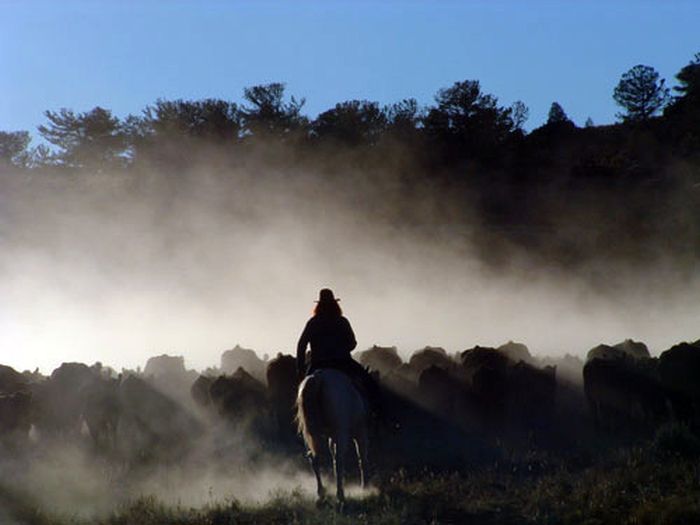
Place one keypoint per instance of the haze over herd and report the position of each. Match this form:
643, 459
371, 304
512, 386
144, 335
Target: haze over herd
162, 410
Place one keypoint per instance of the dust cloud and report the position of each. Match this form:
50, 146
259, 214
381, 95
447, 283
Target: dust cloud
69, 479
116, 268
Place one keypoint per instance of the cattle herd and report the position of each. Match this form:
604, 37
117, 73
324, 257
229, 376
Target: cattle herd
162, 413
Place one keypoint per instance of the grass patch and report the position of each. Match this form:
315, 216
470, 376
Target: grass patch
628, 486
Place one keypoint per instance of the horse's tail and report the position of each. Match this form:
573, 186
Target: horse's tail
309, 412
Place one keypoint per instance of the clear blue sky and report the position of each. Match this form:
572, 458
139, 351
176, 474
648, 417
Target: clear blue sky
123, 55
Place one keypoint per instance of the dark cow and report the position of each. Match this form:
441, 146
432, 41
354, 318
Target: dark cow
607, 353
383, 359
165, 366
152, 426
509, 393
403, 379
15, 405
445, 395
430, 356
569, 368
169, 375
486, 371
483, 355
479, 358
623, 388
12, 381
531, 395
679, 370
627, 349
516, 352
200, 391
239, 397
101, 411
282, 384
635, 349
15, 414
58, 402
624, 394
239, 357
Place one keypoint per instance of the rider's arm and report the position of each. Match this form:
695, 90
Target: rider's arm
301, 350
352, 342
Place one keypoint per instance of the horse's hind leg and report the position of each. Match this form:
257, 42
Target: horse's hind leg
316, 466
341, 445
361, 444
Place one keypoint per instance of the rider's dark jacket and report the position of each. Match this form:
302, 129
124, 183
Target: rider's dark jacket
331, 339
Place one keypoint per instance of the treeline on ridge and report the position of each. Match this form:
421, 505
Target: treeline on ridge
561, 193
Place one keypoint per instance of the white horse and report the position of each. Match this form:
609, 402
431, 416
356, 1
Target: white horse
331, 409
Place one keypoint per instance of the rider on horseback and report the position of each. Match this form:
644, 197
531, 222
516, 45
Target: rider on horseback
332, 339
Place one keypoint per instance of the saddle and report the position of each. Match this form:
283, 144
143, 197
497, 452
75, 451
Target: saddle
366, 385
347, 368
